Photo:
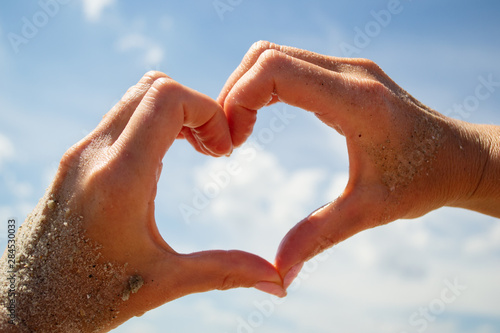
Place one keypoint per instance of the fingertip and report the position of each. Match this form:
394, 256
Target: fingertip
212, 135
271, 288
241, 122
307, 238
222, 148
292, 274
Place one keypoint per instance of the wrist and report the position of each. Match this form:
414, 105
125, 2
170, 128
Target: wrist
481, 168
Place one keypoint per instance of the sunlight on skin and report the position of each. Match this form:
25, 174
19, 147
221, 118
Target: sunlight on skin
93, 241
405, 159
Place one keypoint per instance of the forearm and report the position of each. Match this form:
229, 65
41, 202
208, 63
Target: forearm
485, 194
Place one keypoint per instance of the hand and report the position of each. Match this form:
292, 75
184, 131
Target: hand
120, 266
404, 158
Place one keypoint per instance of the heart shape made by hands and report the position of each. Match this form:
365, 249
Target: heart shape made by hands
400, 156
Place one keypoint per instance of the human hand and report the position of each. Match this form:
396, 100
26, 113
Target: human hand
404, 158
93, 245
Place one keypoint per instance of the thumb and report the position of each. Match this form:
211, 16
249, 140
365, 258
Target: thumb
319, 231
167, 275
222, 270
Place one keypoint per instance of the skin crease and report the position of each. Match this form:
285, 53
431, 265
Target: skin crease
95, 181
405, 159
202, 122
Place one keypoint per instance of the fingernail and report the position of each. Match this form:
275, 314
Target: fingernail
229, 154
271, 288
291, 275
320, 209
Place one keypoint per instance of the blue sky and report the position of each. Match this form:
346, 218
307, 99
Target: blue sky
83, 55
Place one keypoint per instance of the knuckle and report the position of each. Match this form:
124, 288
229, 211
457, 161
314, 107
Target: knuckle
376, 94
260, 46
149, 79
367, 63
227, 283
372, 69
271, 58
70, 158
144, 84
88, 158
229, 280
375, 88
168, 86
153, 75
325, 242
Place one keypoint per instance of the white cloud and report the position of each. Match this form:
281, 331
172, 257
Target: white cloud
486, 329
372, 270
337, 186
132, 41
484, 243
383, 275
6, 149
21, 190
211, 314
261, 202
154, 55
94, 8
346, 286
138, 326
152, 52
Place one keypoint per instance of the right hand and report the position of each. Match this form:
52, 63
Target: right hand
404, 159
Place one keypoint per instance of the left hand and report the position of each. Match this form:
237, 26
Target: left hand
110, 179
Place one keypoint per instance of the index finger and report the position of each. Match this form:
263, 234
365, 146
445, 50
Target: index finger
253, 54
163, 112
329, 94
